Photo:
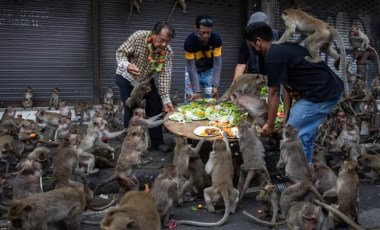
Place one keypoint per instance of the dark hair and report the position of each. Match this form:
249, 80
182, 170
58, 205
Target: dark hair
204, 20
258, 30
161, 25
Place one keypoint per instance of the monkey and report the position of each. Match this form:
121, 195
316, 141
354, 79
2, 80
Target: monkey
42, 155
63, 128
324, 177
48, 119
140, 88
319, 155
108, 96
165, 190
360, 41
270, 193
220, 167
346, 190
28, 181
182, 154
248, 84
198, 176
38, 210
372, 162
7, 150
133, 4
28, 134
81, 108
252, 150
256, 107
317, 34
64, 109
65, 164
182, 3
138, 118
118, 119
349, 133
7, 121
136, 210
27, 101
301, 215
54, 99
375, 86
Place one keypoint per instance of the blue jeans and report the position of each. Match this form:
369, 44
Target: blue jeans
205, 81
306, 116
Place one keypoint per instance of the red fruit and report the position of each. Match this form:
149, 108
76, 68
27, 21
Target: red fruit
150, 40
161, 61
104, 139
163, 53
150, 59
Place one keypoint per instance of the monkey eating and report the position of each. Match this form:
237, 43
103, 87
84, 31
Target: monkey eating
54, 99
27, 101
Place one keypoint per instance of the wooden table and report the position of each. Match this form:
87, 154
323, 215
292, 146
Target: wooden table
187, 129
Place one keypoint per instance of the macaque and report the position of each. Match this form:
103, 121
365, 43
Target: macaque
220, 167
252, 149
318, 36
108, 96
138, 118
182, 154
42, 155
247, 84
165, 190
375, 86
63, 128
54, 99
7, 150
349, 134
269, 193
27, 102
346, 190
136, 210
48, 119
372, 162
323, 176
138, 92
80, 108
255, 106
28, 134
64, 109
7, 121
28, 181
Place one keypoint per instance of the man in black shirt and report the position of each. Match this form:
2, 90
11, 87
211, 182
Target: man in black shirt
315, 88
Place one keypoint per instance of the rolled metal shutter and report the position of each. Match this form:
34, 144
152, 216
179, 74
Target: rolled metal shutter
341, 15
229, 22
45, 44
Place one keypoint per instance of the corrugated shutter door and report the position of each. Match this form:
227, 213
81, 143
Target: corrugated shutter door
45, 44
341, 15
229, 17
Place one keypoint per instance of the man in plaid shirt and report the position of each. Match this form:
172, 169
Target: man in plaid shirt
143, 53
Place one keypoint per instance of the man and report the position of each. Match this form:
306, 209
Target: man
315, 88
249, 60
143, 53
203, 53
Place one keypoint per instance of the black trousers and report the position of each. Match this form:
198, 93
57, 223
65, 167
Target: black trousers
153, 106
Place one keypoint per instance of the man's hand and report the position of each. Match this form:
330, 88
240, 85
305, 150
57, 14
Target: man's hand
267, 129
168, 107
214, 92
133, 69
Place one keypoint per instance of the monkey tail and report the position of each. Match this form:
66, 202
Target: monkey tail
340, 215
170, 15
104, 182
222, 221
338, 37
97, 209
377, 59
262, 221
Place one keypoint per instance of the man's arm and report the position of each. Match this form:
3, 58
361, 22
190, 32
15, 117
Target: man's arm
287, 99
164, 82
239, 70
273, 102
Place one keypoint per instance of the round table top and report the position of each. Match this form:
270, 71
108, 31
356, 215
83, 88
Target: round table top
187, 129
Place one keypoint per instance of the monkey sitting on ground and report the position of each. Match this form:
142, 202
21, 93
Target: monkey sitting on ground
108, 96
301, 215
252, 150
372, 162
63, 129
346, 190
7, 151
64, 109
269, 193
54, 99
256, 107
48, 119
165, 190
81, 108
7, 122
220, 167
136, 210
248, 84
42, 155
323, 176
318, 36
28, 134
28, 181
27, 101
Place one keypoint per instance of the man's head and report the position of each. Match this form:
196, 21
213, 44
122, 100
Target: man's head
259, 35
203, 25
258, 17
162, 33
